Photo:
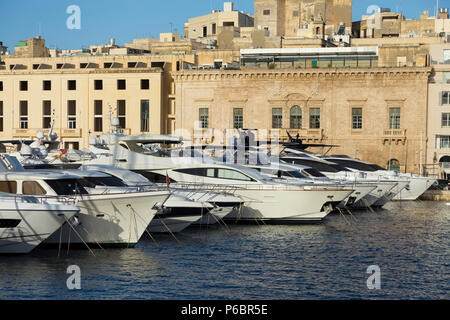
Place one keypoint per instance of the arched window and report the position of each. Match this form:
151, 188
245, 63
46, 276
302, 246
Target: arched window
296, 117
393, 165
445, 159
318, 30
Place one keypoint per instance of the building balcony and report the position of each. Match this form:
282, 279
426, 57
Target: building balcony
70, 133
307, 135
31, 133
395, 135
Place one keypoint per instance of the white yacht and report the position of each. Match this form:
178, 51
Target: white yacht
301, 175
208, 206
264, 199
416, 186
26, 221
108, 219
384, 192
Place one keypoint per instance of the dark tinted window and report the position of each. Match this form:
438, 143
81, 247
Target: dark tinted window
353, 165
314, 173
67, 186
106, 181
9, 223
153, 177
377, 167
294, 174
320, 166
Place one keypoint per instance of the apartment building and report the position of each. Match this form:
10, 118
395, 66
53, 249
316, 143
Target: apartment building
438, 130
79, 95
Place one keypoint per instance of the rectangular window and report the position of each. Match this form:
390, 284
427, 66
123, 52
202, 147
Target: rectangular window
394, 118
23, 85
445, 98
446, 55
314, 118
145, 115
46, 85
98, 84
277, 118
446, 120
442, 142
71, 85
356, 118
204, 118
266, 12
121, 113
1, 85
46, 114
214, 28
238, 118
295, 13
98, 116
23, 114
145, 84
71, 114
1, 116
446, 77
8, 186
121, 85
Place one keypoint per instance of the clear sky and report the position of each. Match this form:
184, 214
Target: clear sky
125, 20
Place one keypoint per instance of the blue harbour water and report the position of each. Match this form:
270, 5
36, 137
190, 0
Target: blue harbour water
409, 241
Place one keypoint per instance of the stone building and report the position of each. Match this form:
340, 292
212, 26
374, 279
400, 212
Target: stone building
303, 18
31, 48
206, 28
385, 24
375, 114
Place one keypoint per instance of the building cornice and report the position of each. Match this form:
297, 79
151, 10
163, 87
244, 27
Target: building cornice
405, 73
78, 71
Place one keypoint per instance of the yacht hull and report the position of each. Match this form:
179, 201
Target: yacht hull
391, 194
111, 219
383, 189
167, 223
35, 226
214, 216
417, 187
290, 206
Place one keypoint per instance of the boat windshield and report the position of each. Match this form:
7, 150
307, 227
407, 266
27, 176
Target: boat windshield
67, 187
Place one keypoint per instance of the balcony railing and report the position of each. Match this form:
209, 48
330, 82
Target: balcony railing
308, 135
394, 135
